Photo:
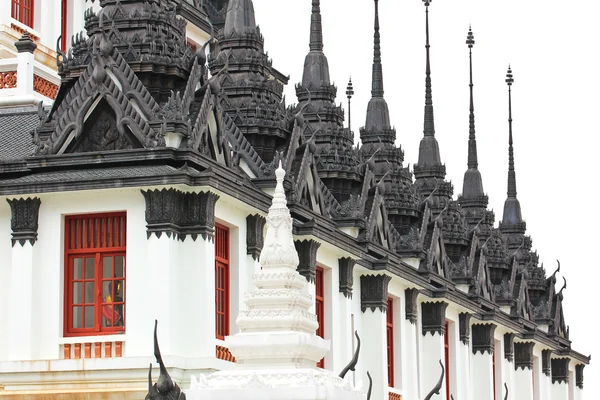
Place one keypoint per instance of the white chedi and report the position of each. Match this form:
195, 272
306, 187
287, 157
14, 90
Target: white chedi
277, 349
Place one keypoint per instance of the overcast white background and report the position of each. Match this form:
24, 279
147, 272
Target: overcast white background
552, 46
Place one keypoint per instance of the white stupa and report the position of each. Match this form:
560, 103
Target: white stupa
277, 349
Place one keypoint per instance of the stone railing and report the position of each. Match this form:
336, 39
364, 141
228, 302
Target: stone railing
110, 349
8, 80
28, 85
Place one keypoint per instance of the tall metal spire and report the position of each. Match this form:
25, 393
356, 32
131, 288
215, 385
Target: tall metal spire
316, 27
512, 207
377, 83
472, 161
349, 94
428, 126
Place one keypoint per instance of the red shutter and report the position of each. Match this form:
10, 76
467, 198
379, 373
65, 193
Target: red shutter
320, 308
390, 341
221, 281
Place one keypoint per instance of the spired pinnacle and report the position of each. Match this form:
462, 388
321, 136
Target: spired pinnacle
316, 66
240, 17
316, 27
472, 183
512, 207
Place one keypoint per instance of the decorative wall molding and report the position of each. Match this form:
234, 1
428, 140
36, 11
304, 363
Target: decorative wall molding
579, 375
346, 272
524, 355
509, 346
433, 318
560, 370
307, 254
255, 225
463, 324
374, 292
180, 214
412, 310
24, 219
483, 338
546, 365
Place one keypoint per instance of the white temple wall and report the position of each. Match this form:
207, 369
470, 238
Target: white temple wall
5, 275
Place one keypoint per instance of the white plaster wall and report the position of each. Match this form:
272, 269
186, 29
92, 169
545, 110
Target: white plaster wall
5, 274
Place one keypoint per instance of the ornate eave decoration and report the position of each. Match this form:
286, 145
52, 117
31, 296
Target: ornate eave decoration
524, 355
560, 370
483, 338
433, 318
546, 364
463, 322
255, 225
509, 348
24, 220
180, 214
411, 306
346, 276
374, 292
307, 253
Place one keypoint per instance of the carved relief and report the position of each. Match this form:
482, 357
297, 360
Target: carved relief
433, 318
307, 253
180, 214
24, 219
8, 80
374, 292
255, 225
346, 276
546, 366
483, 338
524, 355
560, 370
44, 87
509, 349
411, 304
465, 333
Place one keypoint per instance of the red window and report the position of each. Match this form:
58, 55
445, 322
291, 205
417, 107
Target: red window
22, 11
390, 341
63, 24
221, 281
320, 308
447, 359
95, 247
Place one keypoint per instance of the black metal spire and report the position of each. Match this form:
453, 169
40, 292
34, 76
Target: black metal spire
472, 183
512, 207
377, 83
349, 94
378, 115
428, 126
240, 17
316, 27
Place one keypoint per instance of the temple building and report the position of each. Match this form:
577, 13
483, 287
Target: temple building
152, 170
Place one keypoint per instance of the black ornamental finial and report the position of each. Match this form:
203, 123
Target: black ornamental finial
472, 162
512, 180
429, 126
316, 27
349, 94
377, 78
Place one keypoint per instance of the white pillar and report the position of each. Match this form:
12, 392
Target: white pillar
560, 379
524, 370
410, 371
433, 319
25, 64
462, 331
482, 370
21, 298
560, 391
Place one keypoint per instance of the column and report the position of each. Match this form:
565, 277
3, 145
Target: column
482, 370
578, 381
373, 303
410, 363
25, 59
24, 225
560, 379
342, 329
524, 370
463, 354
545, 378
433, 319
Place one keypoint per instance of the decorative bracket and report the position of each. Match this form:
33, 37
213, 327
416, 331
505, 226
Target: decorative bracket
374, 292
410, 296
433, 318
560, 370
465, 333
579, 375
524, 355
307, 254
255, 225
509, 348
24, 219
483, 338
346, 276
546, 365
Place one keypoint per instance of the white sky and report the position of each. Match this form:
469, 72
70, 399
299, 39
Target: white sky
553, 55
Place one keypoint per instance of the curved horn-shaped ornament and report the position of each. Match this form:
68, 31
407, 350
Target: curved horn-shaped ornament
506, 387
436, 389
370, 385
165, 383
352, 364
564, 286
557, 270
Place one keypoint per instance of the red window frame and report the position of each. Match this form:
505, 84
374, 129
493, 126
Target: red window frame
95, 274
447, 360
320, 307
22, 11
390, 340
64, 13
222, 281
